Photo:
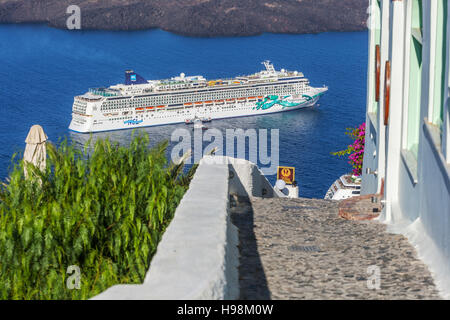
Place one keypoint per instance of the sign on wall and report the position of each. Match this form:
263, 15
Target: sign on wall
287, 174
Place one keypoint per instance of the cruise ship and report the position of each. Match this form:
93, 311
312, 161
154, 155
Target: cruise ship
140, 103
343, 188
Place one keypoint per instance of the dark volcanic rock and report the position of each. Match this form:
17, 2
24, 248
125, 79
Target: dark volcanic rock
196, 17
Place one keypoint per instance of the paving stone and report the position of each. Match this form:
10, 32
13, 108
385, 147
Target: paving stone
271, 231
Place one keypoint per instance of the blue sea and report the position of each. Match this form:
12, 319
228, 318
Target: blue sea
42, 69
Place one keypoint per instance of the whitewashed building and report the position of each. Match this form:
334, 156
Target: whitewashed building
407, 150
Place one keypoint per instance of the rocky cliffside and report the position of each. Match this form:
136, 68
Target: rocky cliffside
196, 17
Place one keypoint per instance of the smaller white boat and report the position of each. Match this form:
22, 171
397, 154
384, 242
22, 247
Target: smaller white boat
198, 124
347, 186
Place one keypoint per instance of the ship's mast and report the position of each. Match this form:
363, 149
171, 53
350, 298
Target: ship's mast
269, 67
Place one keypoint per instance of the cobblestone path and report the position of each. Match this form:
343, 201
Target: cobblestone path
301, 249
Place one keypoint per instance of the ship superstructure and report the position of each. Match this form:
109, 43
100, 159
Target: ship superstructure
140, 103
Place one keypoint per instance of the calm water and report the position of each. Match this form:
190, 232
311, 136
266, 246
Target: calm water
41, 69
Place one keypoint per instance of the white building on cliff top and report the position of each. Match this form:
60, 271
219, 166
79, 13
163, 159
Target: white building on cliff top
407, 153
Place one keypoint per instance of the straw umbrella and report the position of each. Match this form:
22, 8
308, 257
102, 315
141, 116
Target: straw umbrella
35, 151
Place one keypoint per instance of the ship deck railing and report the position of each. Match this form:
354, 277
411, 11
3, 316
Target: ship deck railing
103, 92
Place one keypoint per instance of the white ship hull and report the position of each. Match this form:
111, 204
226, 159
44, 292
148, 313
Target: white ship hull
342, 189
99, 123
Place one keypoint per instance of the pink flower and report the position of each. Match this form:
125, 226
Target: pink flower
356, 149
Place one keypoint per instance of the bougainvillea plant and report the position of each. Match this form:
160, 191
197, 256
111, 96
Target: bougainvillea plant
356, 149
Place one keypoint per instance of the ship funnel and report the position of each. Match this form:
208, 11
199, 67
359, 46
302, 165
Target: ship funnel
132, 77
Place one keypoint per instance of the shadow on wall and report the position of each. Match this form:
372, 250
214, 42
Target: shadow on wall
252, 279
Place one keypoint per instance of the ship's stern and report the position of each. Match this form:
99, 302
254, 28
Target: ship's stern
84, 112
81, 123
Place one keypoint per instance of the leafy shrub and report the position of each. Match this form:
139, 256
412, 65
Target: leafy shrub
103, 211
356, 149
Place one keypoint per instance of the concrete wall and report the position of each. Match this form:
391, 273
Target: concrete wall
198, 257
369, 183
246, 179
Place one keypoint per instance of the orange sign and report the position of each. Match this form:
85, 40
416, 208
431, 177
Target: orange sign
287, 174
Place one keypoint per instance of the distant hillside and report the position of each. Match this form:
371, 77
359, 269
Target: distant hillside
196, 17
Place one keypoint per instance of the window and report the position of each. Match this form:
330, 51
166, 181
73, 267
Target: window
440, 64
415, 78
